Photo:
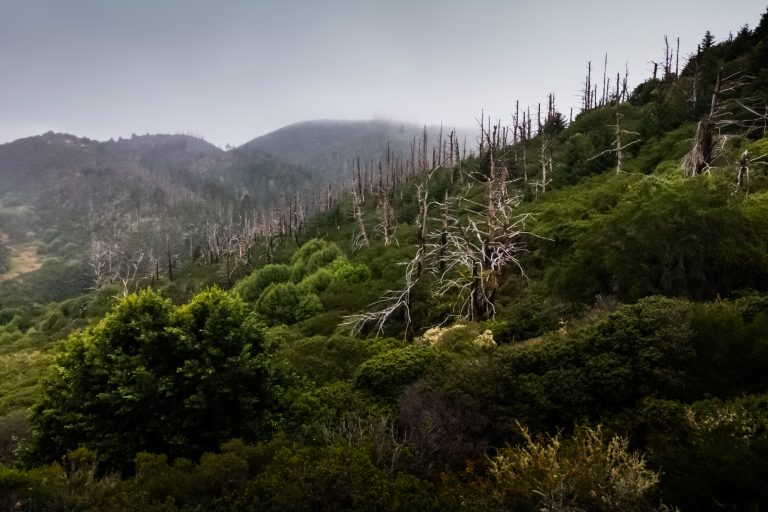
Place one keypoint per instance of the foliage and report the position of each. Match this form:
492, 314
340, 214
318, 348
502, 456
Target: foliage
667, 237
336, 478
585, 472
5, 257
151, 376
447, 419
285, 303
311, 256
720, 457
252, 286
386, 374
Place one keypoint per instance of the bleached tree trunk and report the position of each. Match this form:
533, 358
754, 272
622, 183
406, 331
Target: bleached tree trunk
361, 238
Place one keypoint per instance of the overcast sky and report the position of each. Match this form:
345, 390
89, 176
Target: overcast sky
232, 70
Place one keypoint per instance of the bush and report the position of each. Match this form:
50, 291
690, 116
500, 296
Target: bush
721, 460
252, 286
386, 375
313, 255
153, 377
586, 472
337, 477
316, 282
329, 358
668, 237
285, 303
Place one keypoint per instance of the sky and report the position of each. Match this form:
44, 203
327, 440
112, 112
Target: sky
231, 70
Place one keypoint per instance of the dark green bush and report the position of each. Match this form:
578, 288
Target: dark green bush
385, 375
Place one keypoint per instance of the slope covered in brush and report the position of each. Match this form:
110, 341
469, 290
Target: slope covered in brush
575, 317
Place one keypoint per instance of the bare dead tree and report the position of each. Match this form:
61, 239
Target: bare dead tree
129, 267
742, 171
655, 68
604, 99
546, 159
619, 143
99, 264
586, 102
358, 200
720, 125
743, 166
387, 221
474, 244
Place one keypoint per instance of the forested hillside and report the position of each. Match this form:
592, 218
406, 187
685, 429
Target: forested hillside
93, 212
572, 317
330, 147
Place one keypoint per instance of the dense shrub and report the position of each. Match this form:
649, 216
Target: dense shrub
287, 303
153, 377
311, 256
386, 374
252, 286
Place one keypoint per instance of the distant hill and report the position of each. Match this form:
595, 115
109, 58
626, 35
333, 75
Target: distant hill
60, 193
327, 147
36, 165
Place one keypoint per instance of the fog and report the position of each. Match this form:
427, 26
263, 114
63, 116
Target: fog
230, 71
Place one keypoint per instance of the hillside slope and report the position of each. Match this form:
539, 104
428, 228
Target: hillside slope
328, 147
567, 322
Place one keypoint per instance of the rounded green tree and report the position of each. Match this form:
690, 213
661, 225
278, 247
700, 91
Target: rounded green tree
154, 377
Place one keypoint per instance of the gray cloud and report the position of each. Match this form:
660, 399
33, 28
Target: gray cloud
233, 70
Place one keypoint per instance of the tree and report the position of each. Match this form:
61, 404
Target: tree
722, 123
707, 41
476, 243
151, 376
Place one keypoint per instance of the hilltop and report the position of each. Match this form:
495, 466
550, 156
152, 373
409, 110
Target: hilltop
328, 147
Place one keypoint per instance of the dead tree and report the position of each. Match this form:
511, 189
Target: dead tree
743, 166
358, 200
742, 171
99, 264
586, 99
399, 299
387, 221
667, 59
720, 125
546, 159
466, 255
619, 143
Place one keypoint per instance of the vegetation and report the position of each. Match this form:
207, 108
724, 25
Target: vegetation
552, 323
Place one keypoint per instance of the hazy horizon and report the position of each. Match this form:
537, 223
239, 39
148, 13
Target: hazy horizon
236, 71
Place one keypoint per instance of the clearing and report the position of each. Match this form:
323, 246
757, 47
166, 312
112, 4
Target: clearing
23, 259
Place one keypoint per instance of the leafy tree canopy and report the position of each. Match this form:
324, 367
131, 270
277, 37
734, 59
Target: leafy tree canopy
155, 377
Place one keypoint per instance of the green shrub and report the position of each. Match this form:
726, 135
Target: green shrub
316, 282
721, 460
586, 472
385, 375
286, 303
311, 256
151, 376
337, 477
328, 358
346, 272
251, 288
